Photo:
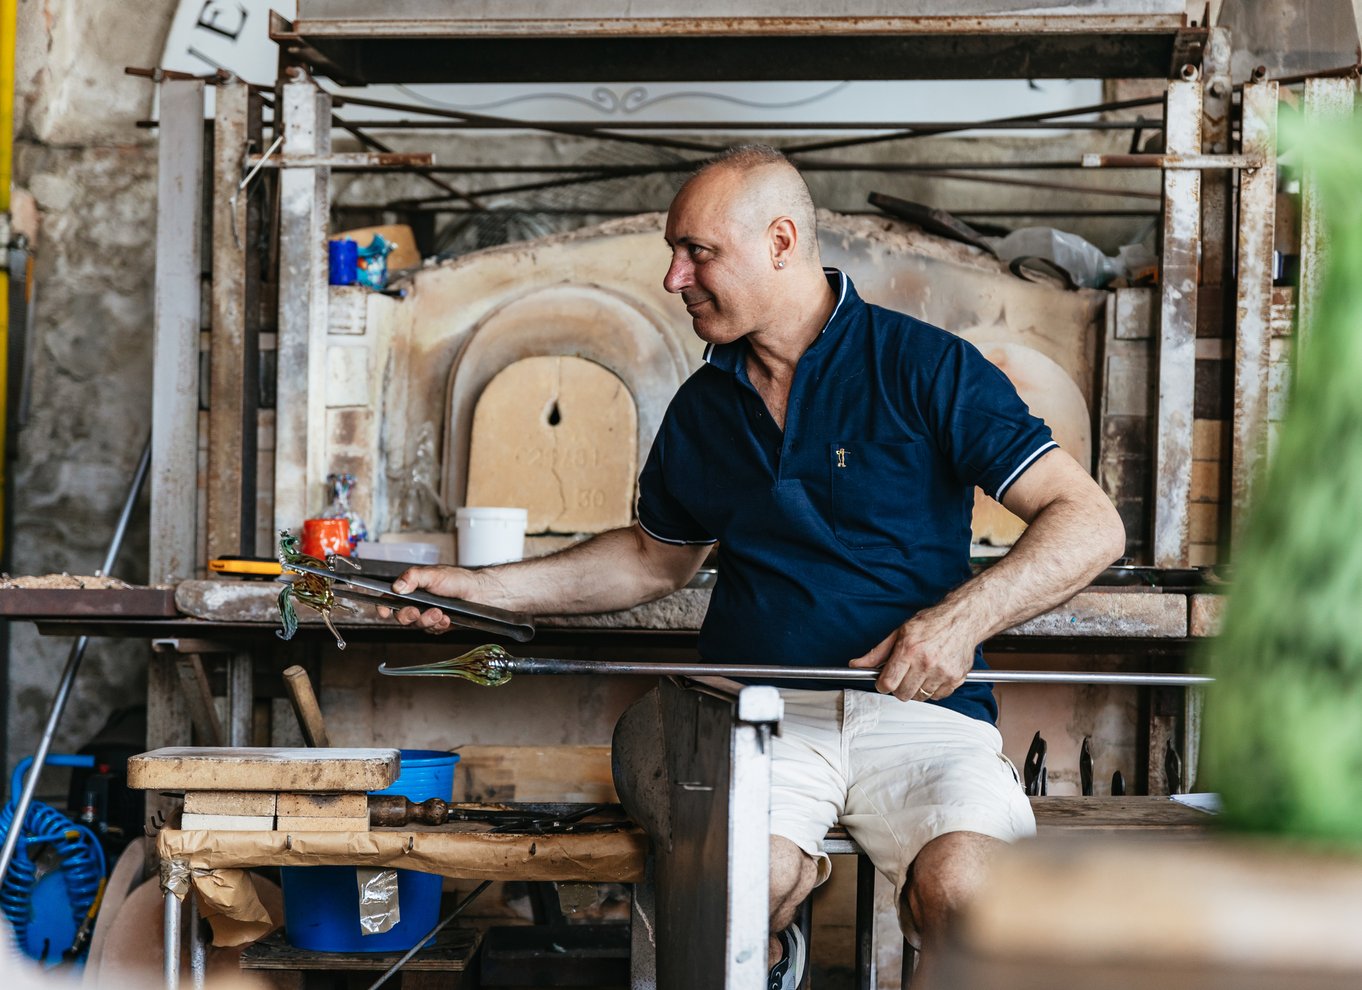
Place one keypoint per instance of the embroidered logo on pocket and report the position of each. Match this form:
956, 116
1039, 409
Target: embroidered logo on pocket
841, 457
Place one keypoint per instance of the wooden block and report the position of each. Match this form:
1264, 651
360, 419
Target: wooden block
303, 823
227, 823
1205, 481
1204, 522
1206, 436
558, 436
1202, 554
247, 768
230, 803
1207, 613
535, 773
352, 805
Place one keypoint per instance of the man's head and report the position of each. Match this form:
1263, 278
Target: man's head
743, 241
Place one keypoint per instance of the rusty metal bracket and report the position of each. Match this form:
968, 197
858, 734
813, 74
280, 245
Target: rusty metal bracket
344, 160
1200, 163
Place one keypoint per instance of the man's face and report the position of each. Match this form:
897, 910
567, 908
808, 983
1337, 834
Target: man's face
720, 264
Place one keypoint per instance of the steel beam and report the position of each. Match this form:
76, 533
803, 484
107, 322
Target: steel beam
1325, 99
1179, 276
1253, 298
304, 199
175, 376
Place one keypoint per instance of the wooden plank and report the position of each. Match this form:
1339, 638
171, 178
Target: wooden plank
451, 951
240, 699
175, 334
263, 769
352, 805
535, 773
62, 603
1176, 361
1106, 814
322, 823
190, 821
260, 803
234, 358
300, 416
198, 696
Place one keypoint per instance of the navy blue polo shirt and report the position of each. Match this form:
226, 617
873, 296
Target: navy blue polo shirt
855, 516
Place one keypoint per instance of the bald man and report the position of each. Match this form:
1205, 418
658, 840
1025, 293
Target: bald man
832, 449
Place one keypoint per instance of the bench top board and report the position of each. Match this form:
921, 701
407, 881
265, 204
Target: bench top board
215, 768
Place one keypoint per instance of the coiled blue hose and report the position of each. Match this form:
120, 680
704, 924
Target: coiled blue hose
82, 858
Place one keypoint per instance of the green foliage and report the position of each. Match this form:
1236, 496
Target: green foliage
1284, 718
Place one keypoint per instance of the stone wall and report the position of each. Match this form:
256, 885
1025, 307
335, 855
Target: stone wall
92, 174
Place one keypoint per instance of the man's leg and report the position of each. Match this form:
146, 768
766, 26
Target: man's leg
793, 875
948, 871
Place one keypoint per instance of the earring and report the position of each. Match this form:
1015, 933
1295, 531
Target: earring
780, 264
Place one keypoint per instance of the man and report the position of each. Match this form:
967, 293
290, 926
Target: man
832, 449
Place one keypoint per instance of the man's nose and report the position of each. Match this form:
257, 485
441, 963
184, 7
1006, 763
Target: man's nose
678, 273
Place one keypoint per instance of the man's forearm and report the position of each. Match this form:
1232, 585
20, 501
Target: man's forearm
611, 571
1062, 550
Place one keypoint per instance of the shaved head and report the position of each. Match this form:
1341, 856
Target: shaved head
768, 187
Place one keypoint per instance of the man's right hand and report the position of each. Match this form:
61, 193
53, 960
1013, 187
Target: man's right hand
442, 580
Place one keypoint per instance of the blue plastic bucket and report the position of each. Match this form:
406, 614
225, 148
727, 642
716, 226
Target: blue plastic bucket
321, 903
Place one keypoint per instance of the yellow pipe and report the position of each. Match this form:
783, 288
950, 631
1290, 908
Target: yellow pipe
9, 23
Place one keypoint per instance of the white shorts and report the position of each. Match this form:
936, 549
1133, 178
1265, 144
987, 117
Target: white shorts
896, 774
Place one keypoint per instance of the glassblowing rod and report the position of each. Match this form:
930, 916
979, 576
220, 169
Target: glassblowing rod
504, 666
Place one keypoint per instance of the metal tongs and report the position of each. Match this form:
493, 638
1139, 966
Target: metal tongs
485, 618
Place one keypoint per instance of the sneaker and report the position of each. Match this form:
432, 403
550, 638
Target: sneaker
788, 974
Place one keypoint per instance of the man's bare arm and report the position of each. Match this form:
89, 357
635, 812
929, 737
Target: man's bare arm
614, 570
1073, 532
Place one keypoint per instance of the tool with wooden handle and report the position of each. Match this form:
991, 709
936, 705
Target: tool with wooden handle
305, 706
492, 666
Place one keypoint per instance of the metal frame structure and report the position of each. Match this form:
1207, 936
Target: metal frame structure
1216, 209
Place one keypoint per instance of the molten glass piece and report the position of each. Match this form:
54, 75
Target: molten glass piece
310, 590
489, 666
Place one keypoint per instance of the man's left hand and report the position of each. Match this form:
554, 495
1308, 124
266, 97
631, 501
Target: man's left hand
924, 659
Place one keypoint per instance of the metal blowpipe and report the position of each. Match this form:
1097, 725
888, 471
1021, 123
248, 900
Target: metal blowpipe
492, 666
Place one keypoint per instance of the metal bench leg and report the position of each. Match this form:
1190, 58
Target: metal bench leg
172, 942
866, 977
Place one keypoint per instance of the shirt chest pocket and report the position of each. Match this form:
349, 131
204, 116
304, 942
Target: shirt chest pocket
877, 492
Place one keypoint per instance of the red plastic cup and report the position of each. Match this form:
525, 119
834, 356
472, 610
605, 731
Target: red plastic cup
326, 536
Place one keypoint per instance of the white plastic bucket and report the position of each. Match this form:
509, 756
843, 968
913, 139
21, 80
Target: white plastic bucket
490, 535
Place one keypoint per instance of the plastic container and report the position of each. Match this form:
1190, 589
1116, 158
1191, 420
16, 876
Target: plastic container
343, 256
404, 553
490, 535
321, 903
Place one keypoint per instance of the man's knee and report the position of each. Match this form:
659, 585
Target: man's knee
793, 874
946, 874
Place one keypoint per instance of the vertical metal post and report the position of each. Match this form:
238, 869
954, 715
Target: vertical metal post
175, 382
1177, 326
749, 836
172, 941
1217, 229
1253, 296
235, 358
1325, 99
304, 198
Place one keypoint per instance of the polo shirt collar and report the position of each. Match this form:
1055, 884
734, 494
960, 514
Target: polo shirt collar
729, 357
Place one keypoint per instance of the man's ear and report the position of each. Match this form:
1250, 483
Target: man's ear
784, 238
